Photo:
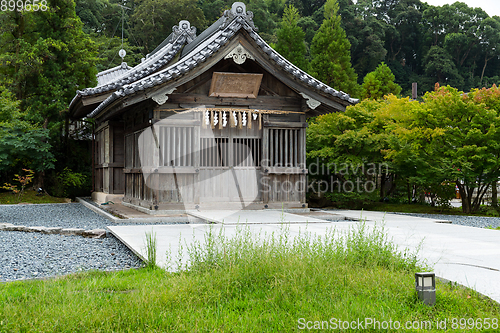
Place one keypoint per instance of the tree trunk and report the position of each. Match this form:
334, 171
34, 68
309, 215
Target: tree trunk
466, 205
408, 190
481, 191
393, 185
382, 186
494, 194
18, 34
486, 59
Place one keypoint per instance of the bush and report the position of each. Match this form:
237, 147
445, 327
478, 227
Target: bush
351, 200
70, 184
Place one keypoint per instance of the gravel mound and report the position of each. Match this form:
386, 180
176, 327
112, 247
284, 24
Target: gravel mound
70, 215
29, 255
34, 255
470, 221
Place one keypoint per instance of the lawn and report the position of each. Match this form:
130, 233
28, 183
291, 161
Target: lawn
29, 196
248, 284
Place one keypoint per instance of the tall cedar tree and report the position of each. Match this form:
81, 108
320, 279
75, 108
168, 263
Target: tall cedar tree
291, 44
331, 55
44, 58
379, 83
22, 144
152, 20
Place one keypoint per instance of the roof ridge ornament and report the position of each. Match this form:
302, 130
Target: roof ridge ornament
184, 28
238, 12
239, 54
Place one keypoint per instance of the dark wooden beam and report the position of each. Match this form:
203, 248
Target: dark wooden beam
270, 102
284, 124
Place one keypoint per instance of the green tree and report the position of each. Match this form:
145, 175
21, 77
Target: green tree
457, 29
265, 21
307, 7
352, 136
366, 34
92, 13
22, 145
309, 26
291, 42
490, 41
102, 21
452, 137
46, 57
330, 52
213, 9
153, 20
379, 83
440, 66
108, 52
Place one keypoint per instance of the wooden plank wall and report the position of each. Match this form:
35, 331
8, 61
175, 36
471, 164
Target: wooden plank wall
222, 162
218, 154
285, 177
159, 164
109, 158
158, 188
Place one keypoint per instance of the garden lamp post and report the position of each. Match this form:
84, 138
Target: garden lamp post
425, 283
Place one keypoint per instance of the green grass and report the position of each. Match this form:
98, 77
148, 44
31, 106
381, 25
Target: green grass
29, 196
151, 246
262, 283
490, 227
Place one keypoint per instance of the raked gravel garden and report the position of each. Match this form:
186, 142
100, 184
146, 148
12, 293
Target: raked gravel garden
26, 255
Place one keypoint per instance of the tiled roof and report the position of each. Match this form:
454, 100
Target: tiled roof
181, 35
203, 47
111, 74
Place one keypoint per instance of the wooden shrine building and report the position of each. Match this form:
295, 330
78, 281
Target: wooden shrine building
216, 120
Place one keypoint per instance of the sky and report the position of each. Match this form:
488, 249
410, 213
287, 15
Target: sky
492, 7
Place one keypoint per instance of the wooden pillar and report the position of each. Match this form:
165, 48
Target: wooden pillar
414, 90
109, 155
196, 154
264, 164
302, 152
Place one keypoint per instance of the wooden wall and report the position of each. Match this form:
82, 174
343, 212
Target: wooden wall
173, 159
109, 158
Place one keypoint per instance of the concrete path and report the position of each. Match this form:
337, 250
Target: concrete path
253, 216
467, 255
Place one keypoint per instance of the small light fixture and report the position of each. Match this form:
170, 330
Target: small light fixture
425, 283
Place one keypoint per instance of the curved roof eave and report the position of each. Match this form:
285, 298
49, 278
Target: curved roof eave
232, 21
182, 34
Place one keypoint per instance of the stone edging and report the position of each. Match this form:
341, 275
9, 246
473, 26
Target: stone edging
94, 233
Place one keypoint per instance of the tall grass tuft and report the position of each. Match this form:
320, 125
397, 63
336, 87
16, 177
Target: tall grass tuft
358, 246
151, 247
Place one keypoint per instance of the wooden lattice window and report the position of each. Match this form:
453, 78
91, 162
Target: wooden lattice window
285, 147
214, 152
176, 146
217, 152
166, 146
246, 152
